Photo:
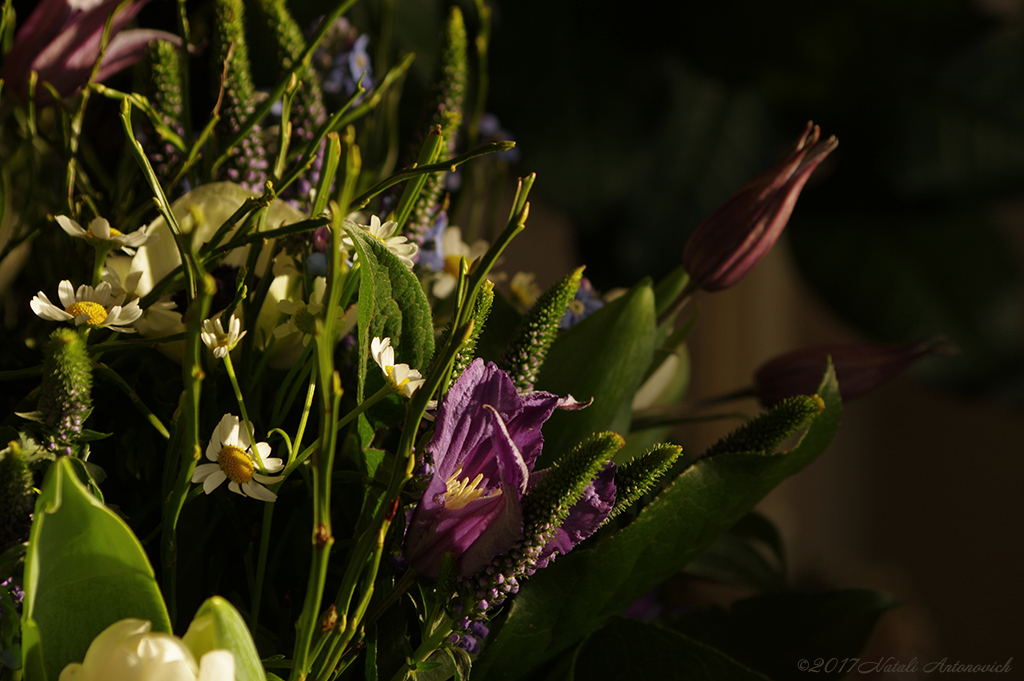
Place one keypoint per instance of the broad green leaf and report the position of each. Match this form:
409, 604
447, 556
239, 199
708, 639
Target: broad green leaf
731, 560
84, 571
604, 357
218, 626
391, 305
579, 592
771, 633
629, 649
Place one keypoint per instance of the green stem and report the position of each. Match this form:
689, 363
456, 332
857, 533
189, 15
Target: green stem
184, 447
261, 567
254, 453
430, 644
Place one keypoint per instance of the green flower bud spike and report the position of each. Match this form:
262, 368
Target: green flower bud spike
16, 497
246, 164
165, 84
447, 113
65, 397
637, 478
308, 111
481, 310
770, 429
525, 356
547, 505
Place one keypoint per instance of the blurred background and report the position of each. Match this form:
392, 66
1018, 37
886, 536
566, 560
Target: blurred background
640, 119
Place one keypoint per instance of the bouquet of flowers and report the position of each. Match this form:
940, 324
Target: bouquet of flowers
432, 468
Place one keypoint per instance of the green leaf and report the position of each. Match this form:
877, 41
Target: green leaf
771, 633
731, 560
391, 305
218, 626
628, 649
581, 591
84, 571
604, 357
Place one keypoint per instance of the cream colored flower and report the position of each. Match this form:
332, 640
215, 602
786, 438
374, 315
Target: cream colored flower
454, 249
385, 233
302, 316
128, 651
95, 307
100, 232
217, 339
232, 454
407, 380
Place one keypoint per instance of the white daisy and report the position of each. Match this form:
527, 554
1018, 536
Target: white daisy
401, 376
129, 287
100, 231
95, 307
159, 319
454, 249
232, 453
216, 339
385, 233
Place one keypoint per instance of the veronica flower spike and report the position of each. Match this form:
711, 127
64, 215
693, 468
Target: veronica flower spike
89, 306
403, 378
234, 458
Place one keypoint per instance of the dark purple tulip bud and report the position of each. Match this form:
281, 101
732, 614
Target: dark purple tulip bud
60, 41
860, 367
735, 237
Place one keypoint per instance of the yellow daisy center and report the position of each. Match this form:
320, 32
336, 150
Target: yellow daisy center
236, 464
461, 492
97, 313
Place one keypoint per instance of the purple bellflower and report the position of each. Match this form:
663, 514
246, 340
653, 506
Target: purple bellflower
734, 238
487, 440
60, 41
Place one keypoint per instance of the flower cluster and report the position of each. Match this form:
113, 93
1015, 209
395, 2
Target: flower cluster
281, 303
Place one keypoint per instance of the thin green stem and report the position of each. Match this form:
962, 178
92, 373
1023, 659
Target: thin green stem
261, 567
431, 643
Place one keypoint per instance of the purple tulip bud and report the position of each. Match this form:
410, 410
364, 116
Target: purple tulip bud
735, 237
60, 41
860, 367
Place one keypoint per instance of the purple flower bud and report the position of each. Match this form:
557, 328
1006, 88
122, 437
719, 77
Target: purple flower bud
742, 230
60, 41
860, 367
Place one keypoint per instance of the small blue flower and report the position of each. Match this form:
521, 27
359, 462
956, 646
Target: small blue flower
585, 303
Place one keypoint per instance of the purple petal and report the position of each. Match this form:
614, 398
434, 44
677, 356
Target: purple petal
128, 47
585, 516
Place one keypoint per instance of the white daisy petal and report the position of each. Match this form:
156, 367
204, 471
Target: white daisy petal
203, 471
66, 293
258, 491
233, 486
70, 226
214, 480
100, 229
42, 306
